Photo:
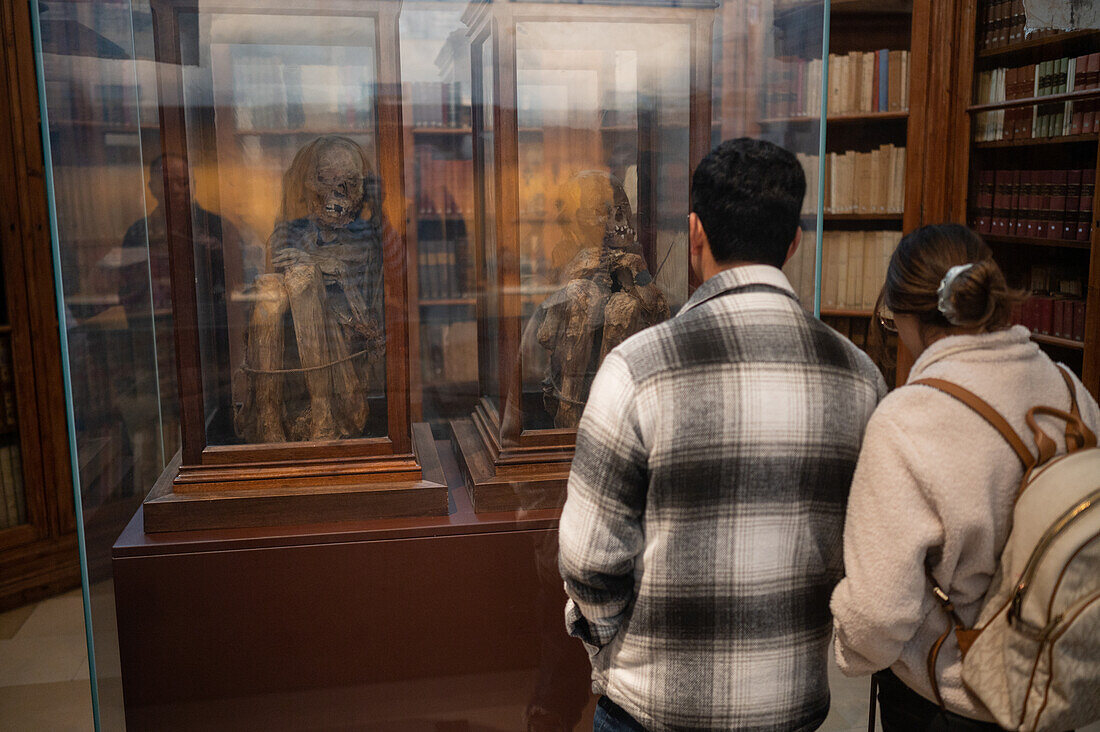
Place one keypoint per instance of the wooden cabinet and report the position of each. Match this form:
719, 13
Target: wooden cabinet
38, 549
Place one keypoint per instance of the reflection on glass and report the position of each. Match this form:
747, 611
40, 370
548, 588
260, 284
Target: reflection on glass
603, 111
281, 138
489, 352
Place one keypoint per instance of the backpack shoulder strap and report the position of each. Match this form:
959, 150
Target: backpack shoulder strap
986, 412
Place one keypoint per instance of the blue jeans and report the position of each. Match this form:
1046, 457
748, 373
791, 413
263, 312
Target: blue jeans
610, 717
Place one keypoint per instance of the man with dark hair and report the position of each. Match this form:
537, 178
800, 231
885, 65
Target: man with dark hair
701, 536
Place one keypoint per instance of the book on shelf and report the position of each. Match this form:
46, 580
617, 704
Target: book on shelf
1056, 303
20, 490
1035, 204
800, 269
446, 268
12, 500
445, 186
859, 83
853, 268
9, 415
871, 182
438, 104
449, 351
1000, 23
1037, 121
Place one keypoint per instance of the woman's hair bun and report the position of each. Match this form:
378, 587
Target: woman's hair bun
977, 297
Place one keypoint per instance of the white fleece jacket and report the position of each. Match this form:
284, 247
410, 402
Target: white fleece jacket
934, 478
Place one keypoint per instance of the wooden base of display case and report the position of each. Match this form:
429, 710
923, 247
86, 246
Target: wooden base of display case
168, 509
512, 486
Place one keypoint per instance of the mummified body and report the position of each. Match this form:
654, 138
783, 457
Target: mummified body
607, 292
325, 271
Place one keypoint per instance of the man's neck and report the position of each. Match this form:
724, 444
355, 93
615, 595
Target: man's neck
712, 268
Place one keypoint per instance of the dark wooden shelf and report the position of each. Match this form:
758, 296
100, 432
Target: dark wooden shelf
287, 131
449, 301
441, 216
1037, 141
845, 313
1056, 341
840, 118
1036, 242
1031, 101
892, 217
5, 329
442, 131
1055, 43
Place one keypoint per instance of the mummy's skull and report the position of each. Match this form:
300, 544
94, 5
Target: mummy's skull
596, 207
337, 185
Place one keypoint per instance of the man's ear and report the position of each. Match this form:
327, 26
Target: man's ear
794, 245
697, 237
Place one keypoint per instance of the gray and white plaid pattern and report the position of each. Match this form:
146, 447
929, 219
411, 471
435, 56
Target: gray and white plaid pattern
701, 536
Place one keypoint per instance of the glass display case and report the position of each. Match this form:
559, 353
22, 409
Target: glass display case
587, 120
291, 330
195, 152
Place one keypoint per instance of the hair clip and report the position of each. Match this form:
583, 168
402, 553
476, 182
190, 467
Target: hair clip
943, 292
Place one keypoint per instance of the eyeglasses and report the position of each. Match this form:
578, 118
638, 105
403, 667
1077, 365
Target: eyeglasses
886, 319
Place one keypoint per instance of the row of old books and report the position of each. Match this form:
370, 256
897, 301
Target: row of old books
1052, 315
853, 268
861, 182
445, 185
449, 351
13, 501
869, 81
446, 268
9, 415
1046, 78
859, 82
437, 104
1000, 23
271, 93
1039, 204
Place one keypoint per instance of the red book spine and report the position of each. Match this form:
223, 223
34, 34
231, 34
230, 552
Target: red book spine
1015, 193
1067, 319
1055, 220
1058, 315
1026, 121
990, 185
1084, 209
1045, 315
1073, 197
1079, 320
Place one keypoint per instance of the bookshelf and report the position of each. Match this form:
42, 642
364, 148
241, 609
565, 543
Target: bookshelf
864, 187
1031, 131
38, 554
439, 178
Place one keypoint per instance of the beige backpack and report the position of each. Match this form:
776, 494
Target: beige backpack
1033, 657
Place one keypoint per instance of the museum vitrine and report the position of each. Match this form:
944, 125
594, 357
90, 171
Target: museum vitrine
282, 189
587, 120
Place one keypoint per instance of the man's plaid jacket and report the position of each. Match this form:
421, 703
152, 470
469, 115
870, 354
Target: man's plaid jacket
701, 536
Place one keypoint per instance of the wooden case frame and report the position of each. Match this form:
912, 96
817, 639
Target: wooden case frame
294, 481
505, 465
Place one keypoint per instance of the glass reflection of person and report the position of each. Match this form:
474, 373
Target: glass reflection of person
144, 386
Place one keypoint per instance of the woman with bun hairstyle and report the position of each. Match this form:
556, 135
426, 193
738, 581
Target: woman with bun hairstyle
935, 483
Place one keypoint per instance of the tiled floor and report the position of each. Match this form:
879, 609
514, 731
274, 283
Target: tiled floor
44, 675
44, 667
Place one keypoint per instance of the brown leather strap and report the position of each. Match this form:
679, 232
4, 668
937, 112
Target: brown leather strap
962, 634
988, 413
1077, 434
933, 654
